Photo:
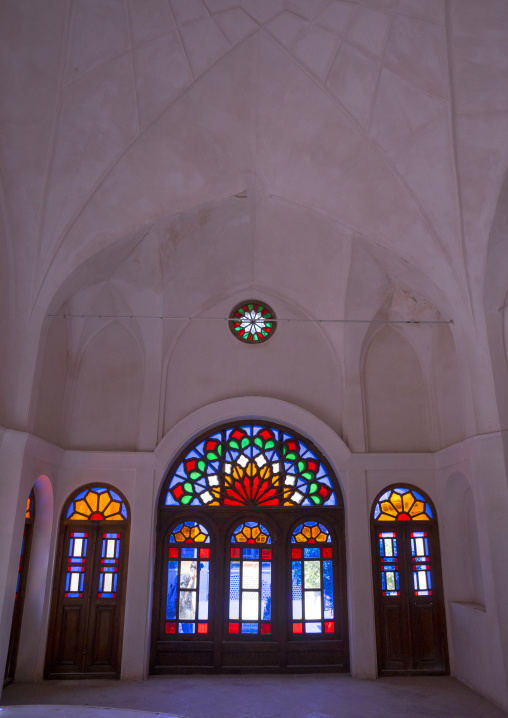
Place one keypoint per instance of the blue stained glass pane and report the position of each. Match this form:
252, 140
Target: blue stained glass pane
311, 553
397, 581
313, 628
186, 628
297, 590
328, 589
250, 553
429, 582
381, 547
250, 628
172, 590
189, 553
234, 591
266, 591
203, 590
383, 581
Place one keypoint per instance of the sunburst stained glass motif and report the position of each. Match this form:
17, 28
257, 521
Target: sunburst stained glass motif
311, 532
97, 504
252, 322
251, 532
189, 532
251, 465
402, 504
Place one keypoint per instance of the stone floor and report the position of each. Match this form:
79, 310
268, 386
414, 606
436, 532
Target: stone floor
248, 696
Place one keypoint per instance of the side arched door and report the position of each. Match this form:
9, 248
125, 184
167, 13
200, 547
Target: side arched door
410, 616
86, 621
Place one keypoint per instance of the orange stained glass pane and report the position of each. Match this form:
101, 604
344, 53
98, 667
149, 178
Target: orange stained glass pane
255, 532
92, 500
321, 537
115, 517
396, 500
306, 532
237, 472
76, 517
301, 538
385, 517
104, 500
252, 469
387, 508
240, 538
113, 508
82, 508
408, 501
418, 508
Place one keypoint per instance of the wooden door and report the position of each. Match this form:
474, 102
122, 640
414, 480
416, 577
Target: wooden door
87, 615
410, 623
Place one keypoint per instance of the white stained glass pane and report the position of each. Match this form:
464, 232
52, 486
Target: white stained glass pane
250, 606
390, 581
312, 605
187, 605
388, 547
74, 583
312, 574
420, 548
422, 580
78, 547
250, 576
107, 585
110, 548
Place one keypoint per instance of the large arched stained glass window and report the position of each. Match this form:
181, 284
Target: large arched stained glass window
250, 580
188, 579
251, 465
312, 579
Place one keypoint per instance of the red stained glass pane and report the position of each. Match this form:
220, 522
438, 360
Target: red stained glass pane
171, 627
202, 627
204, 553
235, 553
173, 553
297, 627
96, 517
327, 553
266, 628
266, 553
329, 627
296, 553
234, 628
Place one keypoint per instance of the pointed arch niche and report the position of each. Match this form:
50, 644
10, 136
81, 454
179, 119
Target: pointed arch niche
250, 564
395, 395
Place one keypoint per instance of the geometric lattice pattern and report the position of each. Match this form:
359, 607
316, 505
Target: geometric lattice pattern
251, 465
402, 504
311, 532
252, 322
97, 504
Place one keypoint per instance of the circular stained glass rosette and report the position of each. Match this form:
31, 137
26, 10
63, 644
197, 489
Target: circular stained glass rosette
252, 322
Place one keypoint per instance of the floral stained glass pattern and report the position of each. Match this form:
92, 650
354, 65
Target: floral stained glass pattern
97, 504
251, 465
402, 504
252, 322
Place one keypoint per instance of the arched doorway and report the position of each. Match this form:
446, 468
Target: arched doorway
19, 600
250, 562
410, 617
85, 635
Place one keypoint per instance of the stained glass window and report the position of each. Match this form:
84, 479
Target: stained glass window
390, 583
402, 504
108, 573
188, 580
76, 564
97, 504
251, 465
250, 581
252, 322
422, 582
312, 579
30, 506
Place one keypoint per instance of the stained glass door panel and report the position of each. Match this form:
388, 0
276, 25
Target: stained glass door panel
410, 622
87, 603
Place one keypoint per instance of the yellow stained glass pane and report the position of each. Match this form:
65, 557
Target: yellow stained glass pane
407, 500
76, 517
396, 500
300, 538
28, 508
418, 508
261, 538
92, 500
321, 537
179, 537
387, 508
113, 508
385, 517
194, 531
200, 538
306, 532
315, 531
252, 469
237, 472
104, 500
256, 531
240, 538
265, 471
82, 507
115, 517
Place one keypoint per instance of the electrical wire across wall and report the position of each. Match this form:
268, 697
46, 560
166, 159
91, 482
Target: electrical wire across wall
228, 319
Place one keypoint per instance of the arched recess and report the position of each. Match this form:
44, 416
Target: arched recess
253, 486
86, 622
395, 396
408, 590
462, 542
448, 394
105, 398
19, 600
